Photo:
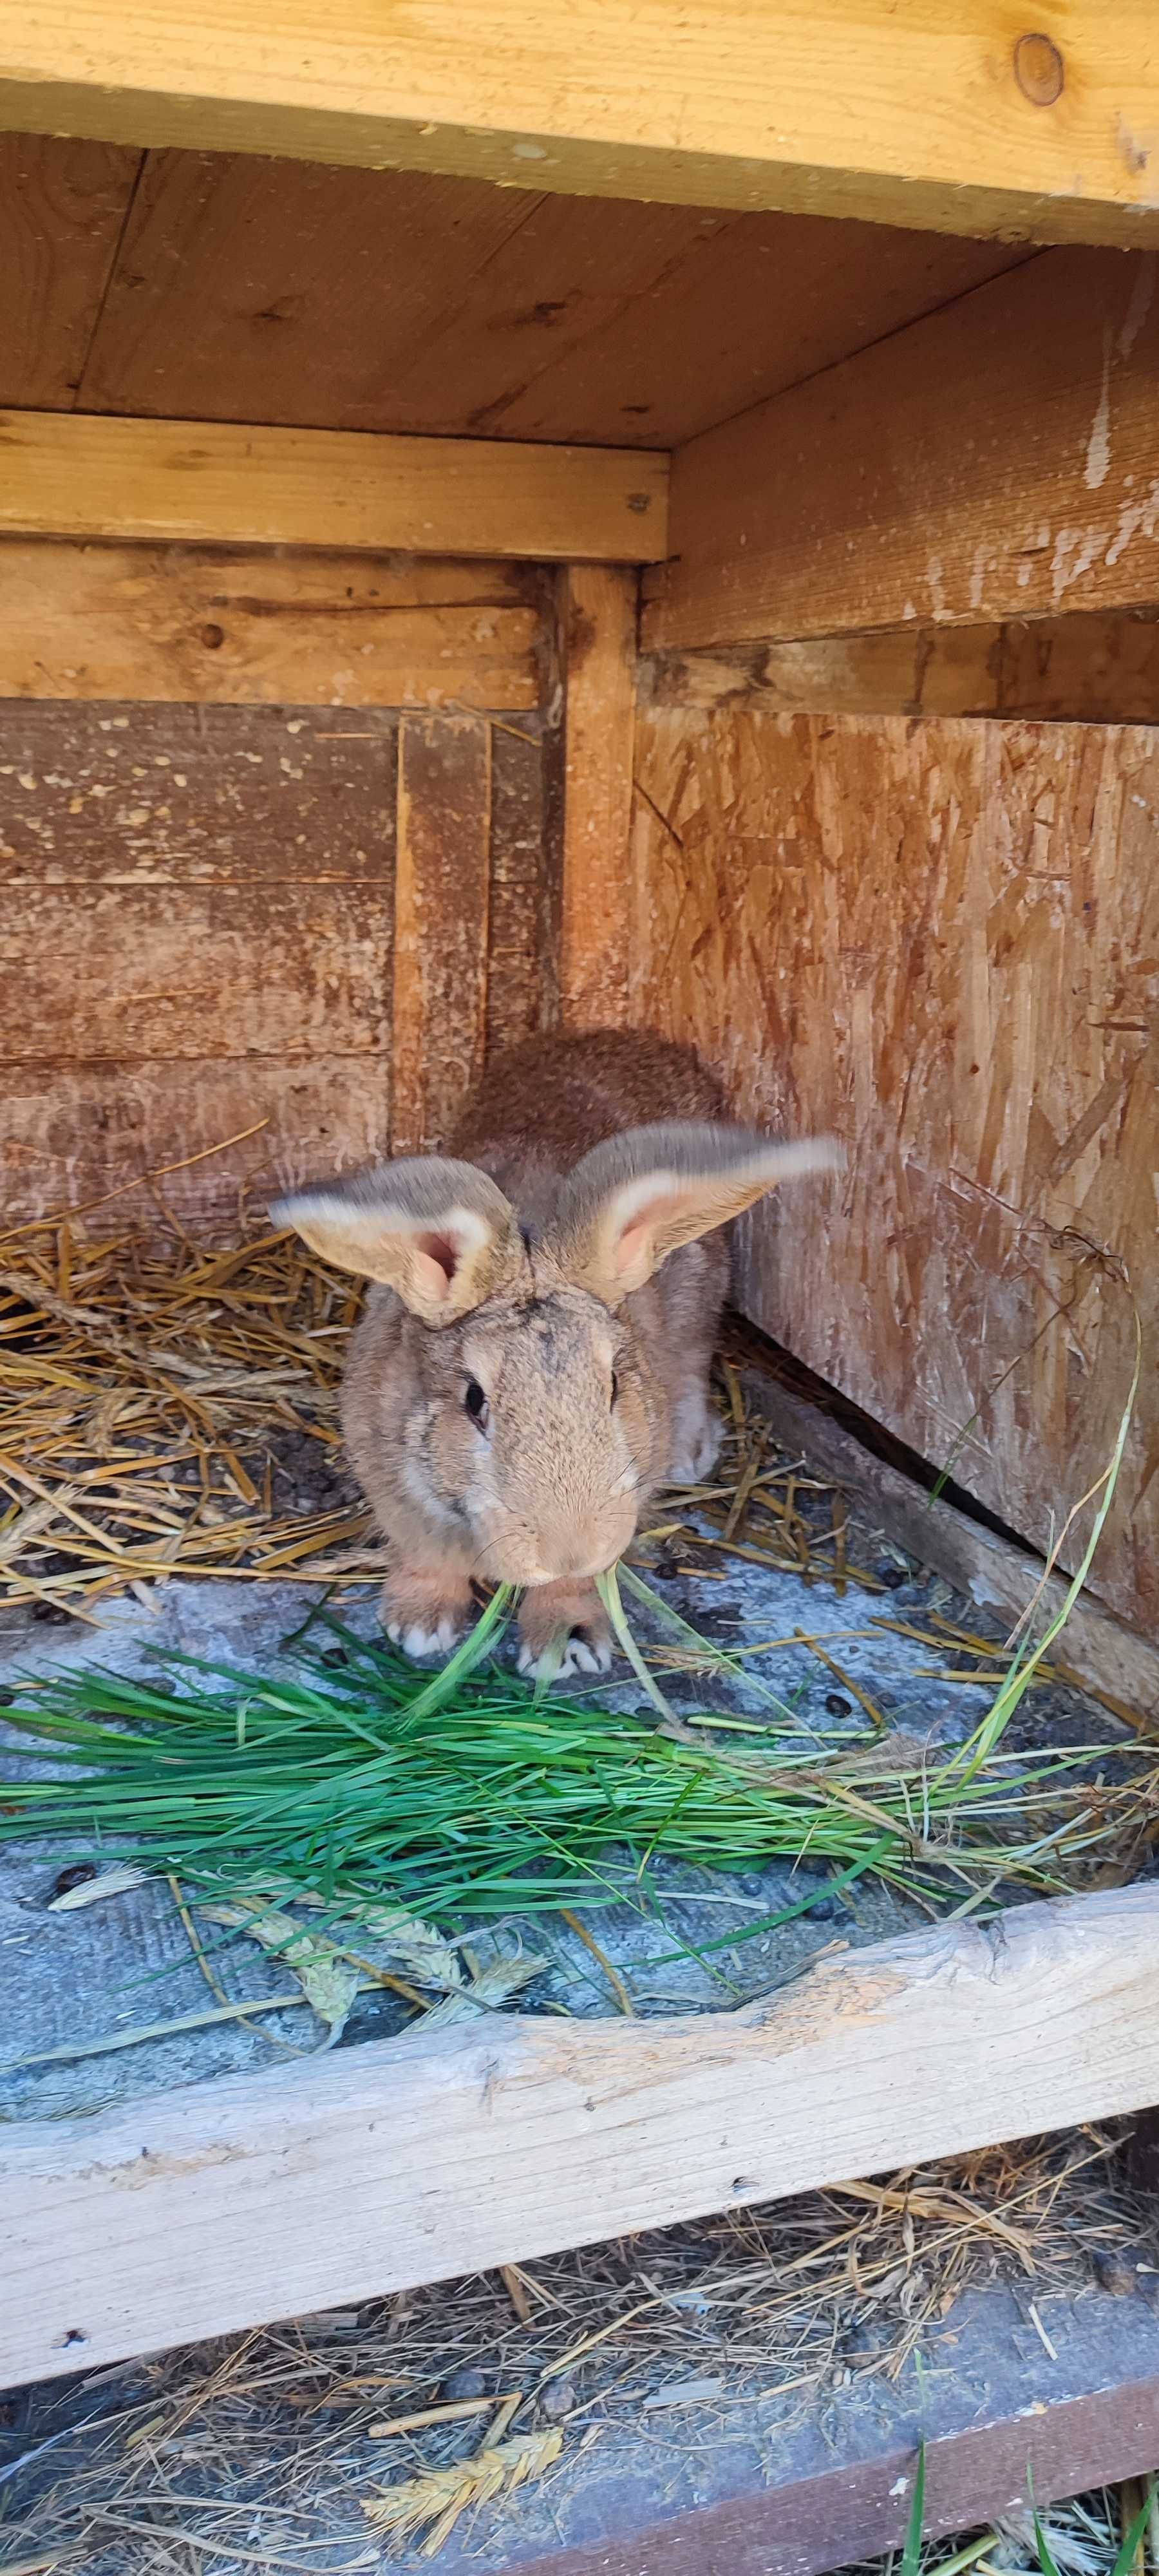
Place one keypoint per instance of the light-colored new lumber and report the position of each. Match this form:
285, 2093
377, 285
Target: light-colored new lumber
67, 475
222, 2205
599, 656
999, 459
962, 118
245, 626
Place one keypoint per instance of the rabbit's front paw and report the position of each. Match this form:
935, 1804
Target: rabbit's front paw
420, 1642
564, 1621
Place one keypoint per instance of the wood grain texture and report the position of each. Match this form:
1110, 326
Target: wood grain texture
522, 964
62, 209
599, 614
255, 626
73, 1133
818, 111
294, 294
998, 459
67, 476
939, 942
226, 2204
1101, 667
441, 925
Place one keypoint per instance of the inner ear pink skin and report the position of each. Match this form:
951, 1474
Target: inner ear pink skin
634, 1241
437, 1257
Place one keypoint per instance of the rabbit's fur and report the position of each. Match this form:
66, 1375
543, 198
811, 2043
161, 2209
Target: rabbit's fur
534, 1361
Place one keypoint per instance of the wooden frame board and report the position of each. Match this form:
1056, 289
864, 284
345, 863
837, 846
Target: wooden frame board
447, 2152
68, 474
953, 120
999, 459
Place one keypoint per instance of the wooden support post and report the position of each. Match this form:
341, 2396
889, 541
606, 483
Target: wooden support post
70, 475
444, 2152
1031, 126
999, 459
442, 887
599, 620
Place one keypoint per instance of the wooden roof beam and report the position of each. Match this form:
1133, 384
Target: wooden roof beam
1042, 126
66, 474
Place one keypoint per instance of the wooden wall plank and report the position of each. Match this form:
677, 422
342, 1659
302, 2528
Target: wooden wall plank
599, 618
225, 2205
939, 942
522, 965
62, 209
819, 111
68, 476
256, 627
998, 459
441, 925
1101, 667
74, 1133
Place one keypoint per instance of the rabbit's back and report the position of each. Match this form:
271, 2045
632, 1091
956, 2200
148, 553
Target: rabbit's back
543, 1105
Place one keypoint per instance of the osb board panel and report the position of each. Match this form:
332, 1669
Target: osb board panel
62, 208
286, 292
938, 940
249, 625
76, 1133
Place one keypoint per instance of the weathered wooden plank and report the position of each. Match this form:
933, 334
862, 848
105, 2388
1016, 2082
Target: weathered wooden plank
998, 459
522, 971
225, 2204
442, 889
74, 1133
179, 797
238, 627
937, 941
1101, 667
287, 292
599, 615
109, 972
68, 476
754, 304
961, 127
281, 291
62, 208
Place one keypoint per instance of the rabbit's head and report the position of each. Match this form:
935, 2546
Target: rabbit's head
529, 1420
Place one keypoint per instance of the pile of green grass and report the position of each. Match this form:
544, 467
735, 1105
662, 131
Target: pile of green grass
469, 1796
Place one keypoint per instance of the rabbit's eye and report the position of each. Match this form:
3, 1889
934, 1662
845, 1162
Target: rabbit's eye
475, 1402
615, 1386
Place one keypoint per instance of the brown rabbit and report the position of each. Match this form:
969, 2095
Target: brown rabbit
534, 1361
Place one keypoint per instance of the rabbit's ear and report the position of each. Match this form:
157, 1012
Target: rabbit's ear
441, 1234
635, 1199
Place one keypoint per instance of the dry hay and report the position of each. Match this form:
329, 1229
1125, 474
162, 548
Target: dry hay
277, 2440
168, 1410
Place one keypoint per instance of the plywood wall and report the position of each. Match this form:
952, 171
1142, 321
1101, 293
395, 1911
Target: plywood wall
204, 932
941, 940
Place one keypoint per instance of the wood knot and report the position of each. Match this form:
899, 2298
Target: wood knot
1039, 69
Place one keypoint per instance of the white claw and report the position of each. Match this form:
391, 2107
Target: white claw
580, 1655
419, 1642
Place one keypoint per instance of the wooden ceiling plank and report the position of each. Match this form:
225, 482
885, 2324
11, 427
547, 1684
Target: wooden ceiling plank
62, 208
961, 119
268, 291
999, 459
66, 475
747, 311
